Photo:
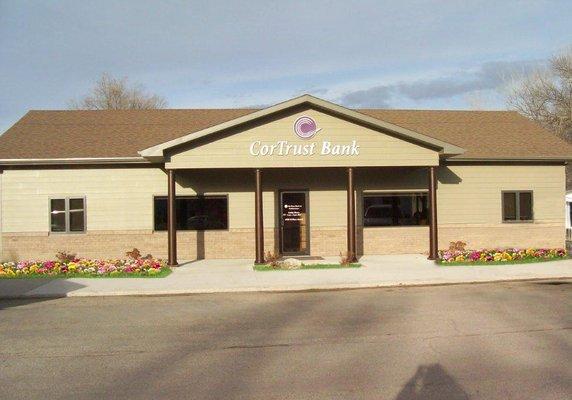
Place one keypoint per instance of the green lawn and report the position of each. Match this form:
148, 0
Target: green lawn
525, 261
266, 267
163, 273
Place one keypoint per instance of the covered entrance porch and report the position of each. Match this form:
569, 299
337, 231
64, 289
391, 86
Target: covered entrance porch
312, 211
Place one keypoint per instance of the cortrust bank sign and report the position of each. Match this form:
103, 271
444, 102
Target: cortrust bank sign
305, 128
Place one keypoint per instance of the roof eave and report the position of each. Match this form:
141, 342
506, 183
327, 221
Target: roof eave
515, 159
74, 161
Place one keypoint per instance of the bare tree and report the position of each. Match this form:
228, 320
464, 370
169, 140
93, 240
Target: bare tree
111, 93
545, 95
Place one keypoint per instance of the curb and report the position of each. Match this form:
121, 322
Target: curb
283, 289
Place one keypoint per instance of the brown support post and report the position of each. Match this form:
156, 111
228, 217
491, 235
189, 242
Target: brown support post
172, 219
433, 235
351, 207
258, 220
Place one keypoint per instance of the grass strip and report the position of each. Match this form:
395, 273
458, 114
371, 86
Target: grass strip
266, 267
162, 274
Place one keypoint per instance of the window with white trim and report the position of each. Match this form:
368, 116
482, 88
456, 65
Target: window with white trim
67, 215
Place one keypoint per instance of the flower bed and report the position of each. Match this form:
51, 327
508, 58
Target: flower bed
499, 256
85, 268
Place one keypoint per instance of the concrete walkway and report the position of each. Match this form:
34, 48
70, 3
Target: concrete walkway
211, 276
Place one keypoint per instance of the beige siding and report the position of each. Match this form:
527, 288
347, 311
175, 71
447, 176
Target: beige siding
233, 150
118, 199
120, 208
241, 209
328, 208
472, 194
121, 199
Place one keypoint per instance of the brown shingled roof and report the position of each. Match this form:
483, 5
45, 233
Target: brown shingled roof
103, 133
483, 134
122, 133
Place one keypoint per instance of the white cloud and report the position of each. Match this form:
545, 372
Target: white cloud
489, 76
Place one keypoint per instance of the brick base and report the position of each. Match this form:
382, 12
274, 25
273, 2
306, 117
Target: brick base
239, 243
411, 240
505, 235
190, 245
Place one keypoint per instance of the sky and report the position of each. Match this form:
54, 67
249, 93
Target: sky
231, 53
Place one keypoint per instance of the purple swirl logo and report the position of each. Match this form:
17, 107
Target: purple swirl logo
305, 127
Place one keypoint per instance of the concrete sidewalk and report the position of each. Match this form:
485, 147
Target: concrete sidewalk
211, 276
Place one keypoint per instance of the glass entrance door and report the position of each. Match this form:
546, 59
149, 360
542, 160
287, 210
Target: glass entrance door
294, 223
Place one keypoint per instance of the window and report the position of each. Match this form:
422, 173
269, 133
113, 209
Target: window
67, 215
395, 209
195, 213
517, 206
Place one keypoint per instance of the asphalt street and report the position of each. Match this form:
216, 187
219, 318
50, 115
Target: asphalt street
486, 341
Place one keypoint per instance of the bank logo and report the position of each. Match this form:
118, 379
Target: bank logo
305, 127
